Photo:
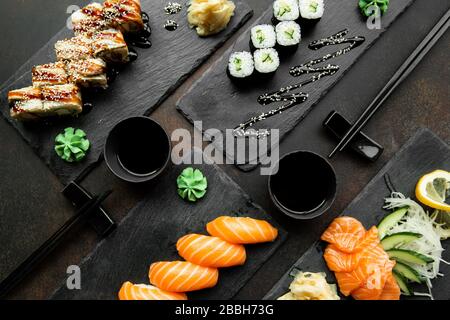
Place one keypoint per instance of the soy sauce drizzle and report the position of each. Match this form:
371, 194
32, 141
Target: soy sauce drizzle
291, 100
171, 25
141, 39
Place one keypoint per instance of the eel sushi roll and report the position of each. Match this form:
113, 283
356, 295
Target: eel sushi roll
286, 10
240, 65
124, 15
263, 36
49, 74
110, 46
89, 19
266, 60
311, 10
288, 36
89, 73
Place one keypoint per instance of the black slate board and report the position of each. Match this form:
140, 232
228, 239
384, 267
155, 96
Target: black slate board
235, 103
423, 153
150, 231
138, 90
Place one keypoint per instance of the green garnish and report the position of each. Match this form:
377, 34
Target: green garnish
290, 33
267, 57
72, 145
367, 6
313, 6
192, 184
260, 36
284, 9
238, 64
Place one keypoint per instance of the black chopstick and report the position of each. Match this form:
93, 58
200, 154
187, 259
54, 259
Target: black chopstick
48, 246
406, 68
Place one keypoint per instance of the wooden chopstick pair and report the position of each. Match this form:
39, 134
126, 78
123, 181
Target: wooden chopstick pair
81, 216
406, 68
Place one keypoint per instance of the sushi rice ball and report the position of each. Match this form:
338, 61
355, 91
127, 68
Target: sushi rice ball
286, 10
311, 9
263, 36
266, 60
288, 33
240, 64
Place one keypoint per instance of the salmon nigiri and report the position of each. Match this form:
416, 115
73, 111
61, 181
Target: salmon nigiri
210, 251
182, 276
242, 230
131, 291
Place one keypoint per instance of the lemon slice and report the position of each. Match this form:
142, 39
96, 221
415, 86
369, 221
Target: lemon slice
432, 189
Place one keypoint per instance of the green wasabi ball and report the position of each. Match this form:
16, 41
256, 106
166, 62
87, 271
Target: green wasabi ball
72, 145
192, 184
365, 6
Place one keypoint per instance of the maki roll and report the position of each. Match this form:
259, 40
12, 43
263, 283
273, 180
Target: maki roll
288, 34
240, 65
286, 10
263, 36
311, 9
266, 60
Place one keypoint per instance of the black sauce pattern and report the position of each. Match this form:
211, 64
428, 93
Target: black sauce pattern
291, 100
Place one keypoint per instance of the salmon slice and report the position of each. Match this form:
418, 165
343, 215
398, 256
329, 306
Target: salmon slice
391, 290
369, 239
339, 261
182, 276
345, 233
130, 291
210, 251
242, 230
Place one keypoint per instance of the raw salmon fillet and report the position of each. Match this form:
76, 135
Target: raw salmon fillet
130, 291
362, 267
345, 233
242, 230
391, 290
182, 276
210, 251
339, 261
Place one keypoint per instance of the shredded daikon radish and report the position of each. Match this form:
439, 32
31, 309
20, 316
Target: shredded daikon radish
418, 221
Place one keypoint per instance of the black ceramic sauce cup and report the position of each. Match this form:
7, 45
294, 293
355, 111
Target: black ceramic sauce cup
304, 187
137, 149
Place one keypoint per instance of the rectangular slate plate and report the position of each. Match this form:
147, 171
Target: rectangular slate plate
233, 104
150, 231
423, 153
138, 90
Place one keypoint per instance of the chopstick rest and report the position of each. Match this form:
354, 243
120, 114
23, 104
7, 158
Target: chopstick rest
99, 220
338, 125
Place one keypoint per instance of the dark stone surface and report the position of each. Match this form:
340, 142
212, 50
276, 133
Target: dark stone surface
235, 103
151, 230
29, 190
423, 153
139, 88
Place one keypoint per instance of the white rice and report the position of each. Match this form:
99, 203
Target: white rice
240, 64
286, 10
263, 36
311, 9
266, 60
288, 33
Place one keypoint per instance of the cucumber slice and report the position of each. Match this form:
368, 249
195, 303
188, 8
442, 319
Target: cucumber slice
408, 256
397, 239
407, 272
390, 220
402, 284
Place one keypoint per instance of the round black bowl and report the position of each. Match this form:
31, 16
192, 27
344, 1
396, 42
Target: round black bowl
298, 169
137, 149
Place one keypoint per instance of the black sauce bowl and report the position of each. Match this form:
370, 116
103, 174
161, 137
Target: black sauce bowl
137, 149
303, 170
